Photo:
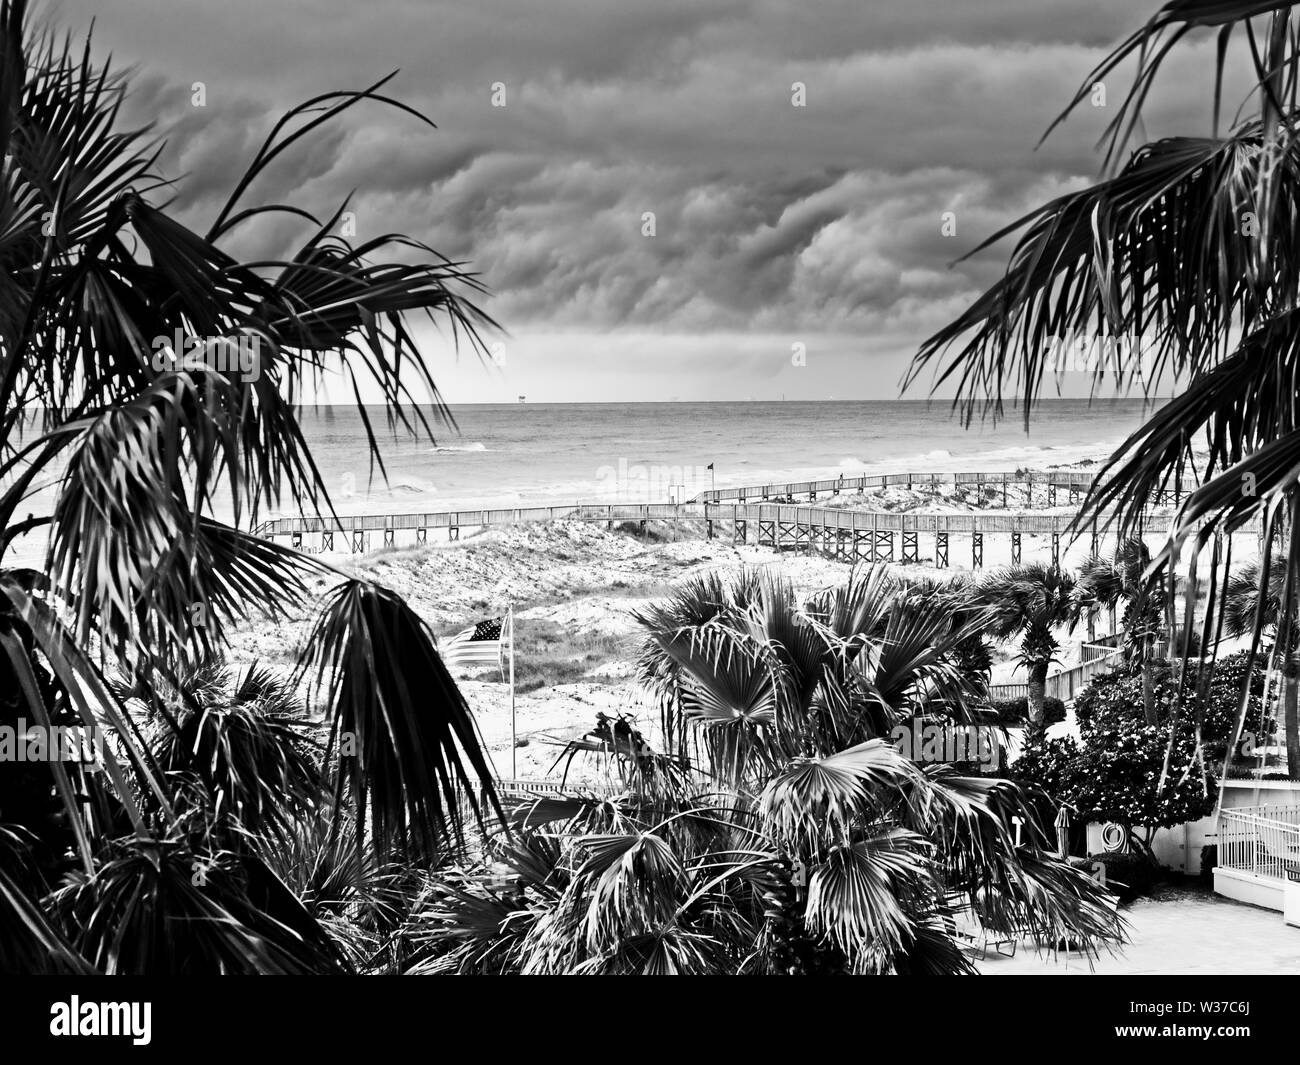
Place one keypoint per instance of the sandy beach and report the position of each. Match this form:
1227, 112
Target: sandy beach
575, 588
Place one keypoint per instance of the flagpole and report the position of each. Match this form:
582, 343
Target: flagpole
514, 748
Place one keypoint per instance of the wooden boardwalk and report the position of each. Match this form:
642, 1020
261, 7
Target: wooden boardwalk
1074, 482
877, 536
867, 535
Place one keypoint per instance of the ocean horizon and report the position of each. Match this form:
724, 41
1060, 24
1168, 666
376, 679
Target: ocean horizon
526, 454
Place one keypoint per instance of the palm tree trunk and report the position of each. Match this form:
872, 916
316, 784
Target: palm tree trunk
1148, 686
1037, 693
1290, 706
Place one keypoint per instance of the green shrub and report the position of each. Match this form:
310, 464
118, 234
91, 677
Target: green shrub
1016, 711
1049, 764
1129, 875
1116, 697
1209, 859
1113, 695
1113, 772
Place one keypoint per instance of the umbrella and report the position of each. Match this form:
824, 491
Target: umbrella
1063, 831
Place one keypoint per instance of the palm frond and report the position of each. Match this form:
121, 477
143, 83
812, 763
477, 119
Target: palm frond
29, 944
818, 801
1198, 278
251, 744
860, 896
401, 734
155, 907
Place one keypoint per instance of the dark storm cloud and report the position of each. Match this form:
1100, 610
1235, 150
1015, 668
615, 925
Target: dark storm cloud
769, 218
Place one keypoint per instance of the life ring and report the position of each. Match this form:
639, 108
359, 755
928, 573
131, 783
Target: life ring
1113, 837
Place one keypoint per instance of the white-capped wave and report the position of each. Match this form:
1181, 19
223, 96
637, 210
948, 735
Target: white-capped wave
472, 446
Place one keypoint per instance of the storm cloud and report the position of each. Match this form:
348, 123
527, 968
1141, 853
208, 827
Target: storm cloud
773, 224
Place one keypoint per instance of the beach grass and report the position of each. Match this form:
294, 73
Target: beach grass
550, 654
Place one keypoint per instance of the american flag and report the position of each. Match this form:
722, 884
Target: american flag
479, 645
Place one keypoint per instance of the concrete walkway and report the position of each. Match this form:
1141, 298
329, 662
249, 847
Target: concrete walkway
1179, 930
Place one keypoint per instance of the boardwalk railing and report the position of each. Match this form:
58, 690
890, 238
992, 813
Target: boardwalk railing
861, 535
1068, 682
1261, 840
1101, 647
867, 535
704, 506
1074, 481
521, 792
823, 517
1063, 685
539, 789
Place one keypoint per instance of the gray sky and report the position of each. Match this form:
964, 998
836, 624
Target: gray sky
775, 225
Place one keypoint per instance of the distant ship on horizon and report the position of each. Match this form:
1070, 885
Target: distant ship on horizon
523, 399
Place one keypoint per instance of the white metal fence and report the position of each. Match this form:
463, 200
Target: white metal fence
1261, 840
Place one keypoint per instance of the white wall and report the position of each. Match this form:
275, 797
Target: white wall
1261, 793
1177, 848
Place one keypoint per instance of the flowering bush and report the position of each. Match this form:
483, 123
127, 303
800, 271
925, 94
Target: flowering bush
1112, 772
1113, 775
1114, 698
1117, 773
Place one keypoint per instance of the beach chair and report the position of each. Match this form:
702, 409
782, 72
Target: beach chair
974, 936
1069, 946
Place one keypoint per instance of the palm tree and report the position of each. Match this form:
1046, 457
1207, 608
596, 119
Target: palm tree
1031, 601
1188, 251
1243, 609
866, 650
1121, 578
800, 840
248, 745
157, 457
959, 596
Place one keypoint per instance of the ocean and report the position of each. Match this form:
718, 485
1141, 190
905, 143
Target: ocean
528, 454
525, 454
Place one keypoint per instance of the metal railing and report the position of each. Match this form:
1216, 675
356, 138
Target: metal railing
1263, 841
